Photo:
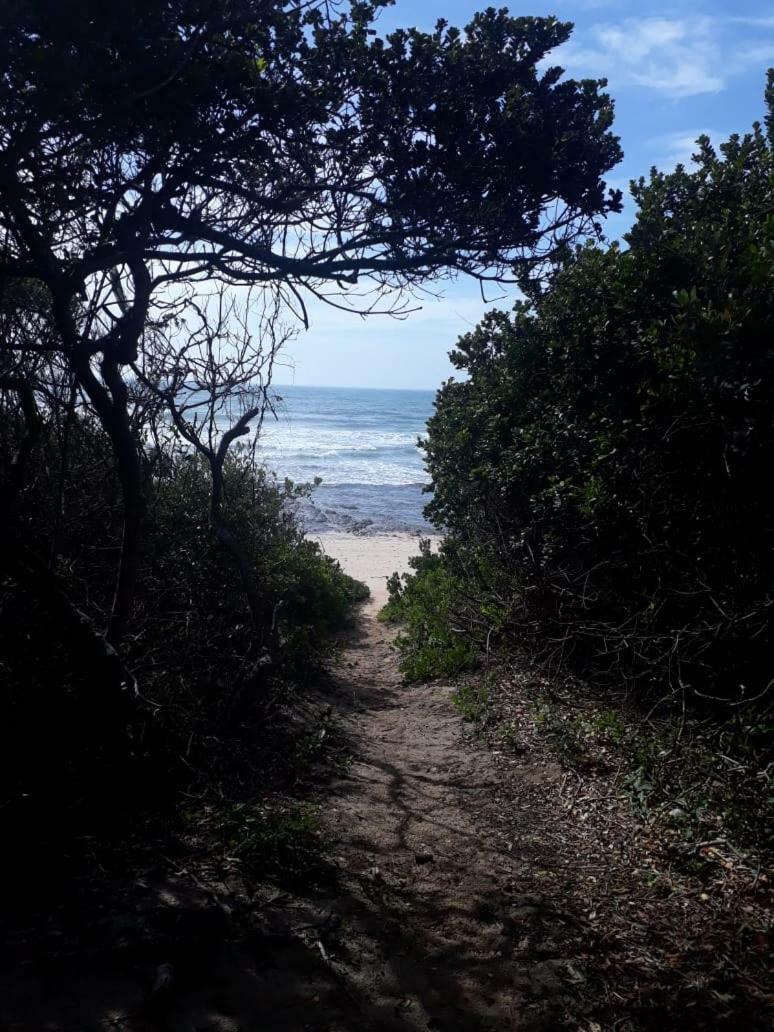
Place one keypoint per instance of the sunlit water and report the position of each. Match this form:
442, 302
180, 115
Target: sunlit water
363, 444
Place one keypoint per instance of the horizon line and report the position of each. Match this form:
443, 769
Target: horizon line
350, 387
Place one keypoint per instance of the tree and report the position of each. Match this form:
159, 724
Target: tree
273, 144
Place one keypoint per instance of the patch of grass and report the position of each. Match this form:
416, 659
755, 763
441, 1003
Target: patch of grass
472, 700
280, 842
588, 737
609, 725
509, 736
694, 778
433, 660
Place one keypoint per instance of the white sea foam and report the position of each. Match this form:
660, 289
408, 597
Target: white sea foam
352, 442
363, 444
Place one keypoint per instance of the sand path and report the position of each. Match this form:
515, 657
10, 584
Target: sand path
424, 929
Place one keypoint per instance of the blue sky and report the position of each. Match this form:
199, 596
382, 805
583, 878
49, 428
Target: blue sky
674, 70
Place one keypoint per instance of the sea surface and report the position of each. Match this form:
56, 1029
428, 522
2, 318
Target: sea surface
362, 443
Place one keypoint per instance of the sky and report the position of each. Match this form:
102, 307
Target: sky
675, 71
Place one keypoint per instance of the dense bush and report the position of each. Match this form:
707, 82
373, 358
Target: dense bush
425, 604
205, 675
602, 473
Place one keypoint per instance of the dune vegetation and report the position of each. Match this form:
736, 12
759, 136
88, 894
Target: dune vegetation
228, 802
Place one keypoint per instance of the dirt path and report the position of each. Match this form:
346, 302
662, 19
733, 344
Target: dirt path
435, 906
418, 929
487, 888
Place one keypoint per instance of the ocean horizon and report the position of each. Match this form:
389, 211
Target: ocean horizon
362, 443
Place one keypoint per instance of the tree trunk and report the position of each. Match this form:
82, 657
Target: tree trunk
130, 475
34, 576
111, 405
228, 540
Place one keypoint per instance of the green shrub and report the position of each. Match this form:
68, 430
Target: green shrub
599, 472
206, 675
471, 700
424, 603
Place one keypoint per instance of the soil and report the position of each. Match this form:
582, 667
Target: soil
465, 895
434, 908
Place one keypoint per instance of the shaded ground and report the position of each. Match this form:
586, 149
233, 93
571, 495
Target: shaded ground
443, 926
470, 892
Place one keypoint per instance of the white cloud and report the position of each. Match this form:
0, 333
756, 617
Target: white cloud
755, 55
676, 57
757, 23
678, 148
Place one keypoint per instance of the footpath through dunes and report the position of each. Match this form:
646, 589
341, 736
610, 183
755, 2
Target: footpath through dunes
485, 887
471, 889
421, 924
440, 924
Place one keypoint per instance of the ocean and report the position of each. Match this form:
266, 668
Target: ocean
362, 443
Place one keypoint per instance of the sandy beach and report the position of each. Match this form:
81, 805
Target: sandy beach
371, 559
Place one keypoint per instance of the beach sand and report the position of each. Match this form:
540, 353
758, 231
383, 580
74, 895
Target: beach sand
371, 559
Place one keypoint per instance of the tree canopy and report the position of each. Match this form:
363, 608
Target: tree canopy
264, 141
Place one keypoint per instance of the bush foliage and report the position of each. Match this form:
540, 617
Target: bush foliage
206, 675
425, 602
601, 472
